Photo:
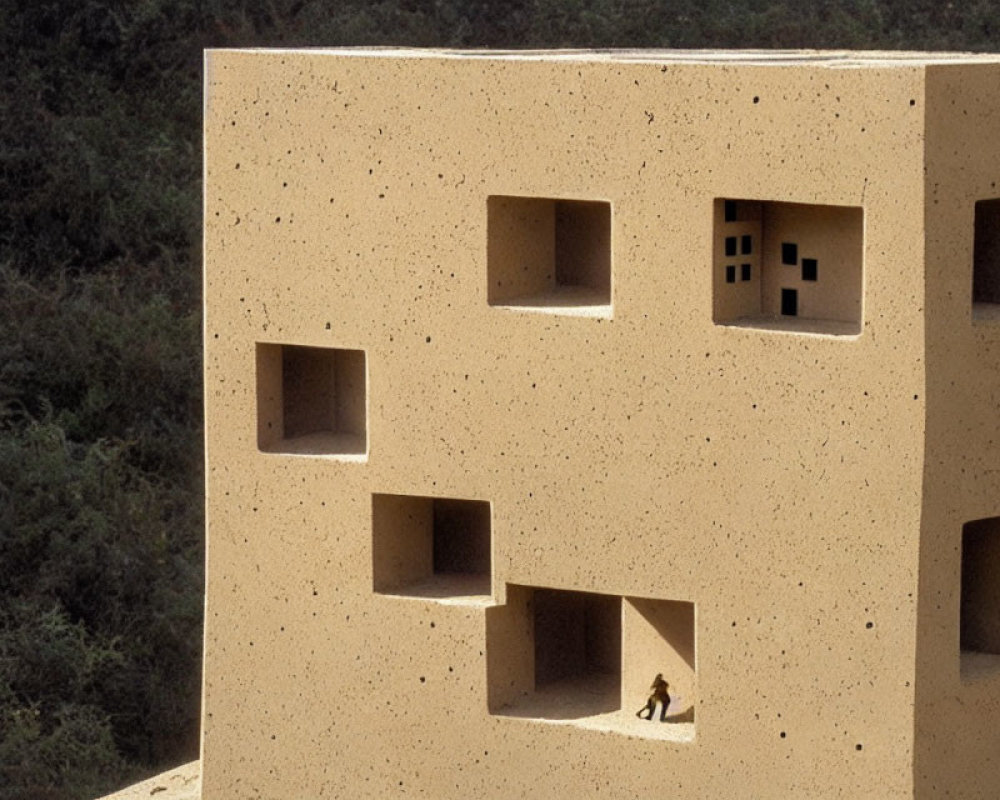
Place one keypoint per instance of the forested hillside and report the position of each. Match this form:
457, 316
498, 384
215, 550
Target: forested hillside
101, 523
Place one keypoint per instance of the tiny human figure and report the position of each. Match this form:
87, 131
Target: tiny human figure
657, 693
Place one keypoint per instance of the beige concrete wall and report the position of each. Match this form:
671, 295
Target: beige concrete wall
749, 498
958, 694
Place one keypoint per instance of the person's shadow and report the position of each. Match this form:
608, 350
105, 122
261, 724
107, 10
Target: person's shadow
687, 715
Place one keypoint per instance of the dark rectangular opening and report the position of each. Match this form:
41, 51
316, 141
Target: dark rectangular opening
809, 269
730, 211
745, 272
746, 244
461, 536
986, 253
731, 274
789, 253
730, 245
789, 302
980, 607
576, 634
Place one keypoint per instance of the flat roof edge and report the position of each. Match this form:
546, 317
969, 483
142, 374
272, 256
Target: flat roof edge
830, 58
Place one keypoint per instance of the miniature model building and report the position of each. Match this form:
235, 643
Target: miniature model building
543, 386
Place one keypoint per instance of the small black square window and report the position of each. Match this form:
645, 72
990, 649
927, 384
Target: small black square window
731, 274
746, 244
789, 253
789, 302
986, 253
730, 245
745, 272
730, 210
809, 269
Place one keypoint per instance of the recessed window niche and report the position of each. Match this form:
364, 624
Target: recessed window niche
803, 264
432, 547
555, 654
311, 400
588, 659
986, 260
979, 629
549, 255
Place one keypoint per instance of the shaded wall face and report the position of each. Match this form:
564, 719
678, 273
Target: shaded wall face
575, 634
309, 403
522, 247
583, 244
958, 677
462, 540
733, 507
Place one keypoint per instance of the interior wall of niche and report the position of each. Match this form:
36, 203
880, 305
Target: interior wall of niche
658, 637
788, 266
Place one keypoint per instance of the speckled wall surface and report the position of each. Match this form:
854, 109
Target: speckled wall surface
958, 696
749, 508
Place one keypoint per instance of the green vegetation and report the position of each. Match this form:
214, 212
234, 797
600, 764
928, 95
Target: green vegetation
100, 392
100, 533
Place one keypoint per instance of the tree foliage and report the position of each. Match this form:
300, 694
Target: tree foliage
100, 534
100, 430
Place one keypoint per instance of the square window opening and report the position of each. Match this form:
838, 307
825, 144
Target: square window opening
436, 548
311, 400
550, 255
779, 233
555, 654
588, 659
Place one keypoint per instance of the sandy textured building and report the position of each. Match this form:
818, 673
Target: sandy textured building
530, 376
